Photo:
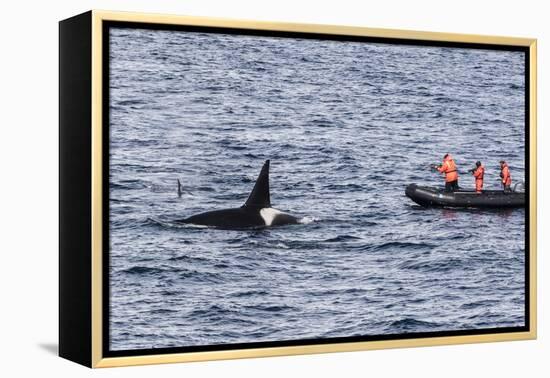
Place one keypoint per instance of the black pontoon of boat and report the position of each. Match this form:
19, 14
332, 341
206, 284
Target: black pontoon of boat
435, 197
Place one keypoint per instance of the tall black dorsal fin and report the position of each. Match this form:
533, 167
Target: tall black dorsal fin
259, 197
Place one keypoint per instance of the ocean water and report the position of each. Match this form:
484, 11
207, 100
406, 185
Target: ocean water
346, 126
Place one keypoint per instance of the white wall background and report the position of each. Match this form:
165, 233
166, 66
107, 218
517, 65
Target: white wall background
28, 186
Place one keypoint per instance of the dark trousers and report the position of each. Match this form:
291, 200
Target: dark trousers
451, 186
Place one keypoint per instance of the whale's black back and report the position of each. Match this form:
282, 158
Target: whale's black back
240, 217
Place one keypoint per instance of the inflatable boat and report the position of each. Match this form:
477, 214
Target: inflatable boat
435, 197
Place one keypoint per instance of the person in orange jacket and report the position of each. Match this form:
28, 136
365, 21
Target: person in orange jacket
505, 176
451, 174
478, 173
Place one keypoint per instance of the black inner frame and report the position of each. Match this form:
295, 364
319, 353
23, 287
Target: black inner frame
107, 352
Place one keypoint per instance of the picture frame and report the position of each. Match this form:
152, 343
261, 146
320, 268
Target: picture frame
85, 107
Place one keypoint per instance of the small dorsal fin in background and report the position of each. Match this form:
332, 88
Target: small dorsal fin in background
179, 188
259, 197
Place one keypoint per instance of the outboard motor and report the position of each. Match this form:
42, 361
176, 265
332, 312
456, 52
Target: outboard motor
519, 187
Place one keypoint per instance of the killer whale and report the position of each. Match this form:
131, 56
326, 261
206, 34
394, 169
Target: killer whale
256, 211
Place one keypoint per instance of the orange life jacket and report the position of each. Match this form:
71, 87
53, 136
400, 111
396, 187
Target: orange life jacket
449, 168
478, 174
505, 174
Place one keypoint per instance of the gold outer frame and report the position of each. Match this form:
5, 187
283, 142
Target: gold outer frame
97, 233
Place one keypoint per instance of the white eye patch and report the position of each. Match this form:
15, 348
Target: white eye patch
269, 214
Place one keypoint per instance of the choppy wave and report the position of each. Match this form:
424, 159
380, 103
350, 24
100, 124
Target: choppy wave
142, 270
411, 324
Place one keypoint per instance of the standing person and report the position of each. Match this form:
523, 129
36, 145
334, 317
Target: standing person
451, 175
478, 173
505, 176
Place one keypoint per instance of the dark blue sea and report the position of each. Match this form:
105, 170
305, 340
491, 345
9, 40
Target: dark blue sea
347, 126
